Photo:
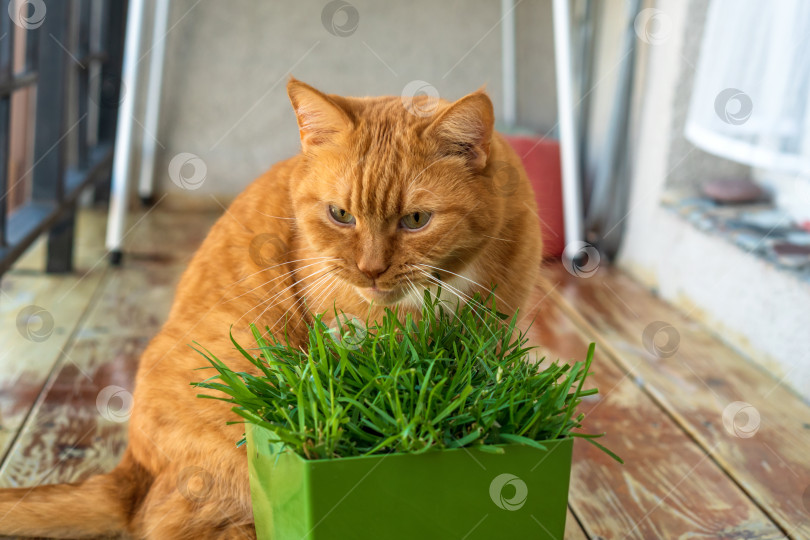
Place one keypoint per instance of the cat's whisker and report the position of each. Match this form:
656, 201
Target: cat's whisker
264, 270
269, 281
291, 295
451, 290
496, 238
328, 260
324, 274
454, 290
275, 217
457, 292
325, 292
423, 189
300, 301
415, 178
419, 300
266, 300
284, 314
468, 279
279, 293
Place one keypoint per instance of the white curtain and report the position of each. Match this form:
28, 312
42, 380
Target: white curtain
751, 99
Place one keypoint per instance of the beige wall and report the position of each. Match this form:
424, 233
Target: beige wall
227, 63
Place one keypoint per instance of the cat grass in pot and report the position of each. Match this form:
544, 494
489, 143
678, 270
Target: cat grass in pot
386, 200
410, 428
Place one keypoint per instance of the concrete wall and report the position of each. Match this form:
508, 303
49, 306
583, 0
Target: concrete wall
228, 61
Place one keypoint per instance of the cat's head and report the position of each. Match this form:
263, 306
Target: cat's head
398, 192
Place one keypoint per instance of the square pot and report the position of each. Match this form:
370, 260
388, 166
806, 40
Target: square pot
459, 493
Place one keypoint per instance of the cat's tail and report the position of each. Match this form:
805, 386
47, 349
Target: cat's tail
102, 505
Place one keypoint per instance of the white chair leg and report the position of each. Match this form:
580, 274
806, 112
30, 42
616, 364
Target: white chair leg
151, 122
119, 191
572, 199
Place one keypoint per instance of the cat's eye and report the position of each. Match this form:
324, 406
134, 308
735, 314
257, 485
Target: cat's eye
415, 220
340, 215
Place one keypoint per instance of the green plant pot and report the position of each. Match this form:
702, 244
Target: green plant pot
459, 493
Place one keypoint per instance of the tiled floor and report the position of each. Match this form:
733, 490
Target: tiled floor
714, 447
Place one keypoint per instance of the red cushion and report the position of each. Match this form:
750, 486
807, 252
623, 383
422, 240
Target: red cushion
541, 159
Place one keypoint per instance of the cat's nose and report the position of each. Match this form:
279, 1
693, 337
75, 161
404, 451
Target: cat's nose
371, 268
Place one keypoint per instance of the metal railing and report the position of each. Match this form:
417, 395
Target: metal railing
72, 57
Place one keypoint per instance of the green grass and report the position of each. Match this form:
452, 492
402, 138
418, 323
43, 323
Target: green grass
451, 379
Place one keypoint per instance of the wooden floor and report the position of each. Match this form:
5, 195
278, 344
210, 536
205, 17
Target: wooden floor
666, 383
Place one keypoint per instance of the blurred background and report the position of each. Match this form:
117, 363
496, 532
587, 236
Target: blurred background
666, 140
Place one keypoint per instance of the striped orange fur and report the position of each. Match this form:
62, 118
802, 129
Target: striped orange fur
276, 256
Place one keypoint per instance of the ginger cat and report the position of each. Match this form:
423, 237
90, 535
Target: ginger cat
387, 197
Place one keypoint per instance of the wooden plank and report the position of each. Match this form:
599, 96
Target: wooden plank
29, 352
668, 487
572, 529
699, 381
132, 304
39, 313
27, 360
68, 437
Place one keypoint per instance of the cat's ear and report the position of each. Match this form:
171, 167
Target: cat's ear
319, 116
465, 128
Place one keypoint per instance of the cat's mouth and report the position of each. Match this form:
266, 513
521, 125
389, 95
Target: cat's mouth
397, 290
385, 297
